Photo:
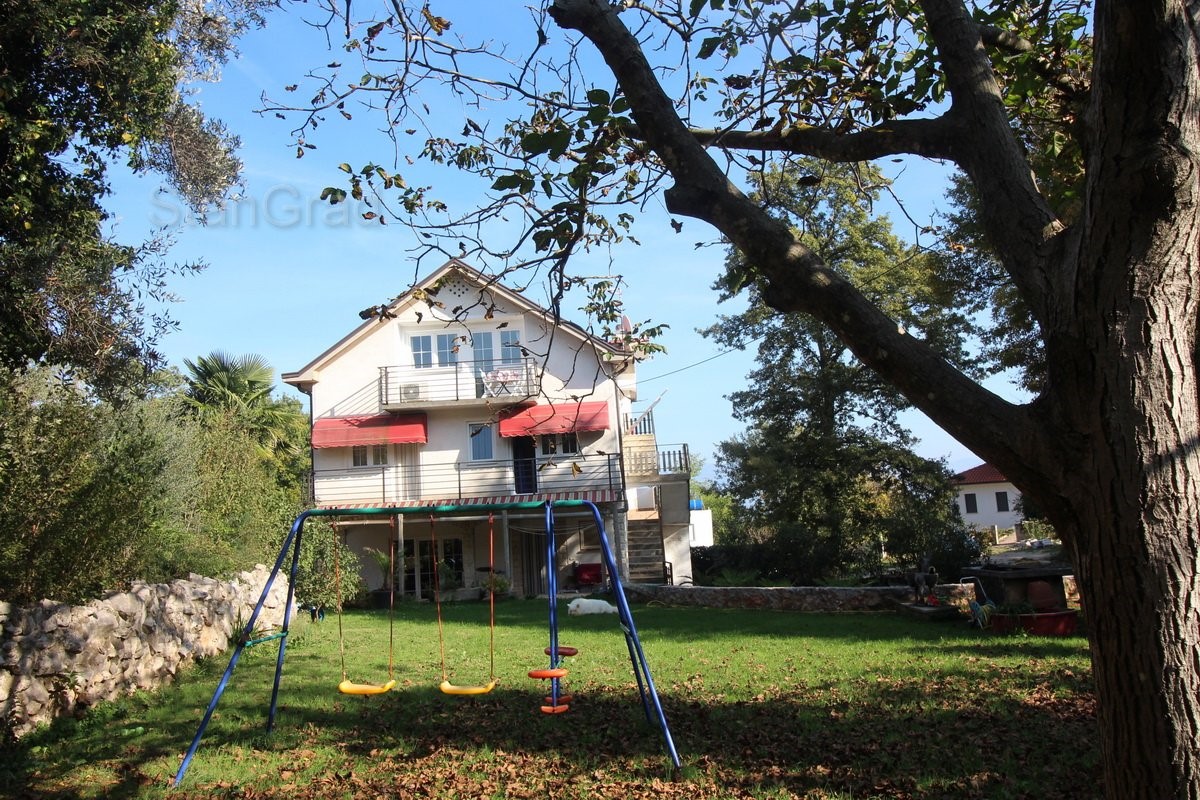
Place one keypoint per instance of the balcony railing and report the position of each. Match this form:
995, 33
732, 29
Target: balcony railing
639, 424
665, 459
398, 484
462, 382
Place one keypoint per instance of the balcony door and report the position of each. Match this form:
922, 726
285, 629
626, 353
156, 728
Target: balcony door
485, 359
524, 450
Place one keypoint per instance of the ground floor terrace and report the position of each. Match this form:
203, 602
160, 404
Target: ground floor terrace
459, 552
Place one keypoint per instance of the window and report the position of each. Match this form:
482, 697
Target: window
480, 434
447, 349
378, 454
1002, 501
589, 538
971, 504
555, 443
481, 346
510, 348
422, 352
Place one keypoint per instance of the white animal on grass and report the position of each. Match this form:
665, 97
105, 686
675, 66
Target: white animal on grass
584, 605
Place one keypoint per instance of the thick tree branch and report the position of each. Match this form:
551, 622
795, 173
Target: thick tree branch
793, 278
931, 138
1021, 226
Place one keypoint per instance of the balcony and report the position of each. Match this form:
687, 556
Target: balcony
397, 485
658, 461
463, 383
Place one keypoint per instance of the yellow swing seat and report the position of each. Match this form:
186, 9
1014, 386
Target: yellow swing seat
449, 688
350, 687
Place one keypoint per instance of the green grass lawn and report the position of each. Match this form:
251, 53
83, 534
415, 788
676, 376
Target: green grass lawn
761, 705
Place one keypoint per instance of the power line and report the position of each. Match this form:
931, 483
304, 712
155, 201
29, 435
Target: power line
697, 364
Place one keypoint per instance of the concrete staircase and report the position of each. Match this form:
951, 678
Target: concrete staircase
645, 552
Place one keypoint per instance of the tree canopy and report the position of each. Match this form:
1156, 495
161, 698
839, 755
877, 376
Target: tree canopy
81, 86
825, 457
1074, 125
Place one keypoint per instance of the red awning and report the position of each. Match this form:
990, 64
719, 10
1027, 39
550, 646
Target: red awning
556, 418
381, 429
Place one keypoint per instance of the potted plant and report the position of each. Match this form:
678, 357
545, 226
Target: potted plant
495, 583
381, 596
450, 586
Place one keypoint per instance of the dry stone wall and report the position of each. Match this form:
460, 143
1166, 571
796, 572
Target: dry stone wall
787, 598
57, 659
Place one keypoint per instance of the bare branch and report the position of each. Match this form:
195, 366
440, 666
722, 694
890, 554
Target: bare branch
791, 277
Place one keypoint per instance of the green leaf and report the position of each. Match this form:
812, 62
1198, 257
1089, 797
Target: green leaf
709, 46
558, 142
505, 182
598, 97
534, 143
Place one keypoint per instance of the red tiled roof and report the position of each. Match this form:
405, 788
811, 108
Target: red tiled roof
984, 473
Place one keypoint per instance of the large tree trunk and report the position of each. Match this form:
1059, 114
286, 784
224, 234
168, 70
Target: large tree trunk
1124, 383
1133, 528
1132, 516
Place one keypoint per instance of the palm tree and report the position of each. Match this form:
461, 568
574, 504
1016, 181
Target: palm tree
238, 389
220, 382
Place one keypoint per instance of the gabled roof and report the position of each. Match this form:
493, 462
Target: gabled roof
984, 473
424, 292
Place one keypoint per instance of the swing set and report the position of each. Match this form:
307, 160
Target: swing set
556, 702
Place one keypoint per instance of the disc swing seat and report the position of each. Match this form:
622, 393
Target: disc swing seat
446, 686
348, 686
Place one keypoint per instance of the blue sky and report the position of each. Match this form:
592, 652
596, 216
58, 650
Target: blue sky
288, 274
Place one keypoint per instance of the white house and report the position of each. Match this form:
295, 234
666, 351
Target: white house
986, 498
462, 391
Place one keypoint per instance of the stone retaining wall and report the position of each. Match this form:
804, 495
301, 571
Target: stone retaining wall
788, 598
57, 659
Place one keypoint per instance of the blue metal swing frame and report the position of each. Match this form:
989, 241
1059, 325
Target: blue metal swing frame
647, 692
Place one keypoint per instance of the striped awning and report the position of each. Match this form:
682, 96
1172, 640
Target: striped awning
593, 495
378, 429
553, 418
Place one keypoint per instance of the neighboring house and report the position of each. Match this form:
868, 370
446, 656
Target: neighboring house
987, 499
462, 391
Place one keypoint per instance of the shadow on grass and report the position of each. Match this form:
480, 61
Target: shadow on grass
895, 738
969, 728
